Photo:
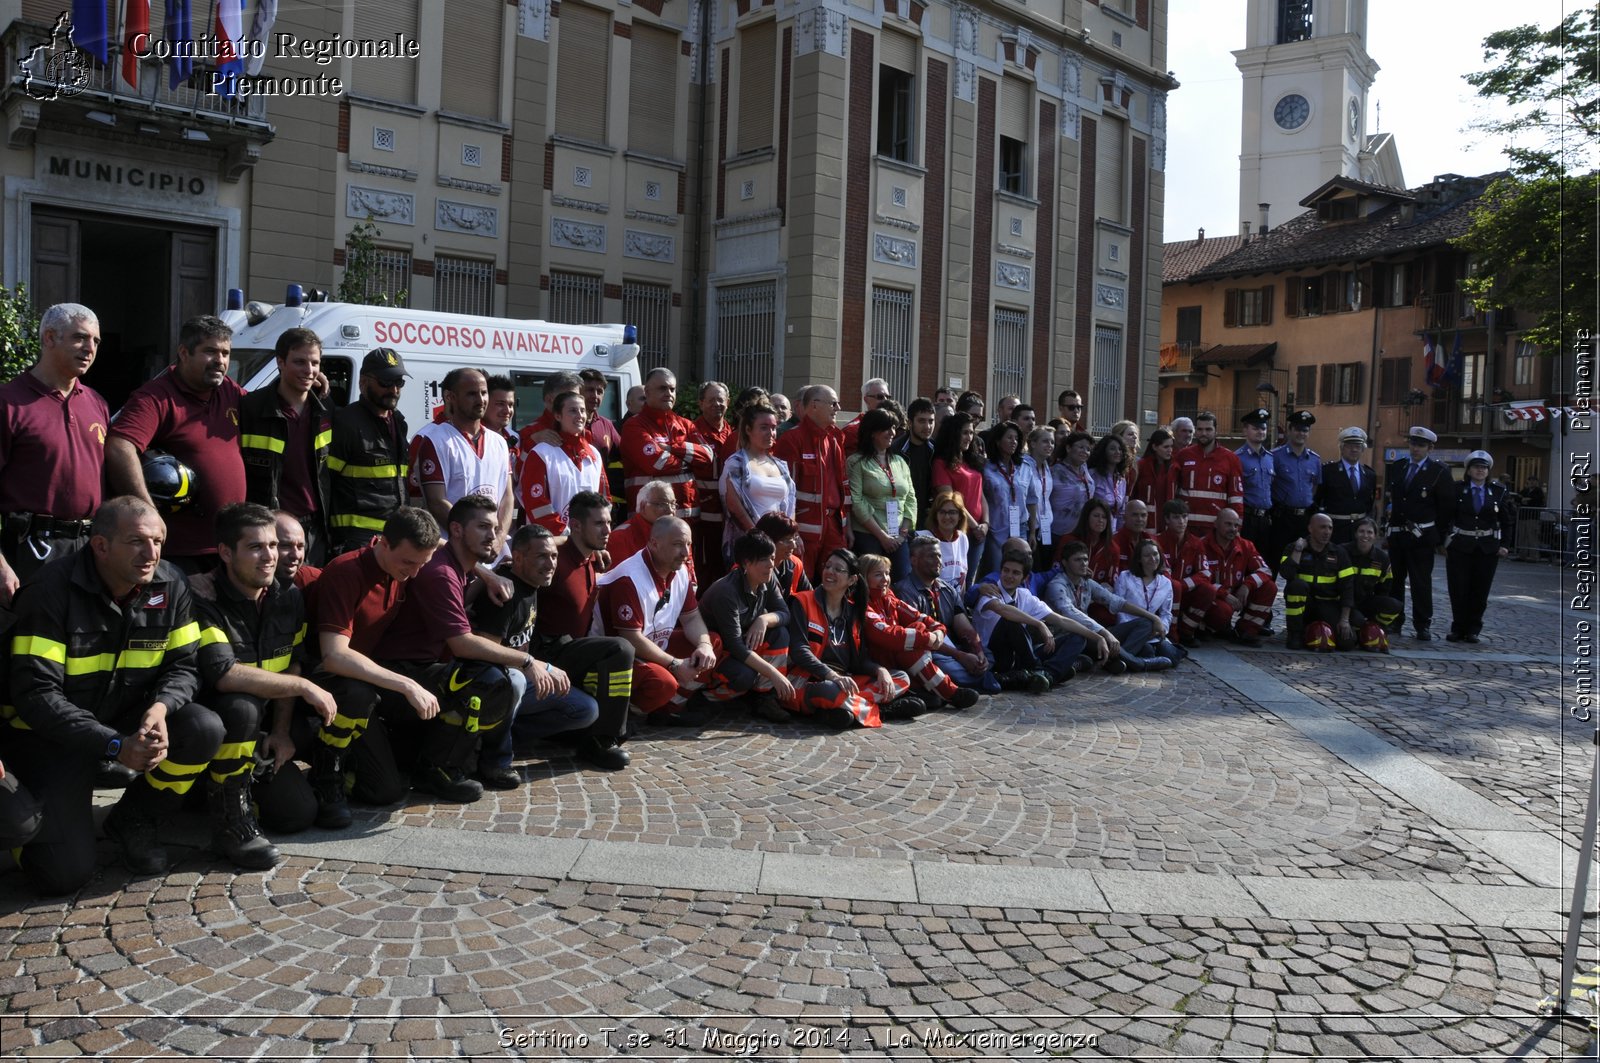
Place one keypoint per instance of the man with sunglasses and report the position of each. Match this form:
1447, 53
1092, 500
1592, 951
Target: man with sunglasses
1071, 411
367, 462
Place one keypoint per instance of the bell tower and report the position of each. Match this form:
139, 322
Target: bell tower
1306, 77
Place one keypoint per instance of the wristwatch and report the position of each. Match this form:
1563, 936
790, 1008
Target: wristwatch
113, 748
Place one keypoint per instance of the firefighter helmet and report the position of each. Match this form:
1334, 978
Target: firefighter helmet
170, 482
1319, 637
1374, 638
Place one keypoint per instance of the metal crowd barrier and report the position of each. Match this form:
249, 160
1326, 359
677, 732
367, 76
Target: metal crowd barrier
1543, 535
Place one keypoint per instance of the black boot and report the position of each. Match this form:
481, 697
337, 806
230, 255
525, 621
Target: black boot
904, 707
132, 825
235, 833
327, 781
1028, 682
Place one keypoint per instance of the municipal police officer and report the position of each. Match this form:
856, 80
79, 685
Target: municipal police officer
1349, 488
1416, 494
1477, 525
1257, 463
1296, 475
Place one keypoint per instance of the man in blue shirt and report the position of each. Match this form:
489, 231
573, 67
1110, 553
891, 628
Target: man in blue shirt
1296, 476
1257, 464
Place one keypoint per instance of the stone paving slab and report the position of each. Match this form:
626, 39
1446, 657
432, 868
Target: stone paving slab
1539, 857
635, 863
1401, 902
500, 854
1009, 886
831, 876
1527, 907
1218, 896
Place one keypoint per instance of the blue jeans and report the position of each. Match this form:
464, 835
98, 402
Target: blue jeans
1013, 647
984, 683
534, 718
899, 560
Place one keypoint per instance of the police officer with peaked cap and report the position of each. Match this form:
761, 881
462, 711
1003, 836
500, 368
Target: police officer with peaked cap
1477, 525
1296, 475
1349, 488
1257, 463
1416, 493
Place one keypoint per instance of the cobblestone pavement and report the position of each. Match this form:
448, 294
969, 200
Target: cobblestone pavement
1177, 782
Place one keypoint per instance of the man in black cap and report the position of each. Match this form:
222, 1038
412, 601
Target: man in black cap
1296, 476
1257, 463
1416, 494
367, 457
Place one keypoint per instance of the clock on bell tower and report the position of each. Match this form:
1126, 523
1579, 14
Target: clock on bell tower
1306, 77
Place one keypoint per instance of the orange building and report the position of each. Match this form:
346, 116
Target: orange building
1331, 312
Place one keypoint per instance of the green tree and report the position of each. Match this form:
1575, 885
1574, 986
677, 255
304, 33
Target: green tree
19, 332
1533, 234
361, 282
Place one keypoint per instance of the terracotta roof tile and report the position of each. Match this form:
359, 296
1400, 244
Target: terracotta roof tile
1182, 258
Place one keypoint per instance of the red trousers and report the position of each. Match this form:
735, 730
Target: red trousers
1255, 615
656, 689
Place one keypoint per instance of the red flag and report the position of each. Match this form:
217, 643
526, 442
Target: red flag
135, 36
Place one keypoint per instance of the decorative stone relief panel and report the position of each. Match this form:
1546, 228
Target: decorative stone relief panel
533, 19
894, 251
397, 207
651, 246
1071, 121
578, 235
1109, 295
1158, 136
466, 218
820, 29
1013, 275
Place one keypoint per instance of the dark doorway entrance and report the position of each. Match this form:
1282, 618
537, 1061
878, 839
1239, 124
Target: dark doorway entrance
141, 279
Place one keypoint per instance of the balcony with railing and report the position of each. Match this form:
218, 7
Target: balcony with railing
51, 84
1453, 309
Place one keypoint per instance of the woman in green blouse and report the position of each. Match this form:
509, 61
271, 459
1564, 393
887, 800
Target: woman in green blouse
884, 504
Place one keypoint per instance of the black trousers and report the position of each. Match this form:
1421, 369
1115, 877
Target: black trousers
1411, 558
1258, 529
1287, 526
603, 667
1469, 573
1301, 609
60, 858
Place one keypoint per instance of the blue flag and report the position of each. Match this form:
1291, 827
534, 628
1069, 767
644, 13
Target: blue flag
180, 34
89, 18
1457, 364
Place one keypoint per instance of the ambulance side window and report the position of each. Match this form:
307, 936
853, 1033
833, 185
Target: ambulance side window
341, 377
530, 398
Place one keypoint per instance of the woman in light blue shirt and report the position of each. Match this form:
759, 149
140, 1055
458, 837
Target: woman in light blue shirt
1007, 491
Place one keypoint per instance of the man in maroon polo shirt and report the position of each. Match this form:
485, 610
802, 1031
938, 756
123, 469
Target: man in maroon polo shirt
432, 642
52, 448
351, 606
566, 607
191, 411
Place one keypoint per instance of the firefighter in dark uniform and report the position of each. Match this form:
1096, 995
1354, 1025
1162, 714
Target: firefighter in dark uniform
1256, 462
1320, 590
1296, 474
1478, 523
284, 434
1349, 488
102, 665
367, 457
252, 647
1374, 610
1415, 495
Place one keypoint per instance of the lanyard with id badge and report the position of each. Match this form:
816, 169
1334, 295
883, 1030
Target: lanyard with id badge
891, 505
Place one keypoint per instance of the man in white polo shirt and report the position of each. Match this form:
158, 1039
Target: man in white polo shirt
459, 456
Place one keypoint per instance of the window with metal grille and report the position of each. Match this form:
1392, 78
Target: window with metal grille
1009, 373
747, 328
1105, 379
575, 298
389, 282
649, 308
892, 340
463, 285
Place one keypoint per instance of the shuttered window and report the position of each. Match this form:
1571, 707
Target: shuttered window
1016, 108
583, 70
471, 82
1305, 386
653, 92
1110, 170
390, 78
899, 51
758, 60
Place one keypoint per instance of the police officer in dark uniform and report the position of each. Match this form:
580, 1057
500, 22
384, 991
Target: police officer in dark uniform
1478, 522
1416, 494
1296, 475
1349, 488
368, 455
1257, 463
1320, 588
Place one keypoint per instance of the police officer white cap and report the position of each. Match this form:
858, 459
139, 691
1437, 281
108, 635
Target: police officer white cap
1480, 457
1353, 435
1418, 434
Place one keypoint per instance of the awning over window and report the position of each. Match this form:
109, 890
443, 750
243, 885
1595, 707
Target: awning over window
1236, 356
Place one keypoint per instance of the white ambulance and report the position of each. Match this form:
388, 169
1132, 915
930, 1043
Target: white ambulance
431, 344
